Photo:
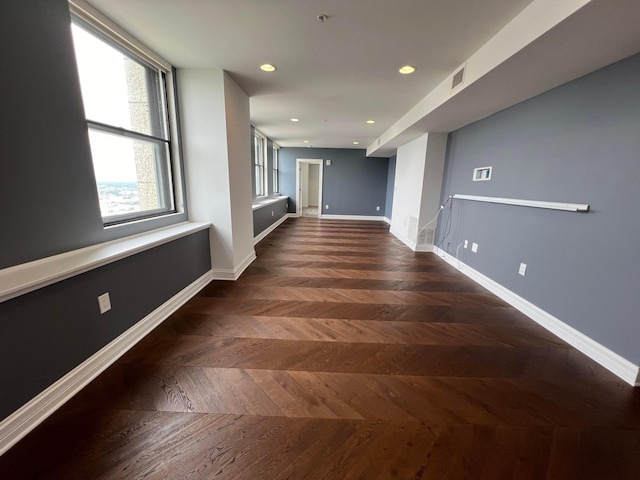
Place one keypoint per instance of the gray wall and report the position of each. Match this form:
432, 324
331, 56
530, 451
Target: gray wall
47, 333
266, 216
47, 188
577, 143
50, 205
352, 185
391, 178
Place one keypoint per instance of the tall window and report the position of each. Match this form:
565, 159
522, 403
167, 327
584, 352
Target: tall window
125, 105
276, 170
259, 143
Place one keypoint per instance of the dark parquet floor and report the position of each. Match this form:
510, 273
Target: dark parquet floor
341, 355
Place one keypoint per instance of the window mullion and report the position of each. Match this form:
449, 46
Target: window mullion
125, 132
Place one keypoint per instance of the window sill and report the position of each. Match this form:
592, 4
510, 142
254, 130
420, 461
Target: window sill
264, 201
27, 277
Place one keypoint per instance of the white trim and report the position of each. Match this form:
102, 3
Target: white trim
610, 360
426, 248
90, 14
271, 228
402, 238
387, 220
30, 415
257, 134
27, 277
314, 161
257, 204
569, 207
375, 218
233, 275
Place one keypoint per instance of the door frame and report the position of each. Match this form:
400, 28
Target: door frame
312, 161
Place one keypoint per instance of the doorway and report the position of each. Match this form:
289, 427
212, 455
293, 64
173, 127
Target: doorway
309, 187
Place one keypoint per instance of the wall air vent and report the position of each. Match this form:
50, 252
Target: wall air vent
458, 78
426, 236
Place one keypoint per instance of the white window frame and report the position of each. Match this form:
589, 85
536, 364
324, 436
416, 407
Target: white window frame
260, 164
82, 12
275, 169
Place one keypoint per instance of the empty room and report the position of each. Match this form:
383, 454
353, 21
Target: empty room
320, 240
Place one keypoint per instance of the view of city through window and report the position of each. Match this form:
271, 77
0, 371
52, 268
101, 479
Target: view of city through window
126, 132
118, 197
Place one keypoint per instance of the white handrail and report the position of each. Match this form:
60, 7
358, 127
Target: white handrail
570, 207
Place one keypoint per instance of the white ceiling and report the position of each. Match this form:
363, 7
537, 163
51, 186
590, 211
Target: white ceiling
335, 75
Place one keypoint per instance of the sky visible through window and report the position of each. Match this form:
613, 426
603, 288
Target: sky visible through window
104, 92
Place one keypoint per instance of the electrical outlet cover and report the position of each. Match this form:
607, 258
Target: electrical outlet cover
104, 302
474, 247
523, 269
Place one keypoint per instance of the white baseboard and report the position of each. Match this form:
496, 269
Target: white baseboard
352, 217
271, 228
403, 239
610, 360
424, 248
387, 220
30, 415
233, 275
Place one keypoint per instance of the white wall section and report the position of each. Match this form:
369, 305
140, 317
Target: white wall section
238, 128
216, 141
417, 187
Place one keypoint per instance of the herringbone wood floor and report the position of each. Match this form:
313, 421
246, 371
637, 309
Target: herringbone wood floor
340, 355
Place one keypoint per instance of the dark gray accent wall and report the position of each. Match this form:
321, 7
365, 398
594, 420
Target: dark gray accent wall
391, 178
266, 216
47, 188
578, 143
352, 185
47, 333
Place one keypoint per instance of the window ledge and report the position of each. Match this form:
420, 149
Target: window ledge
27, 277
263, 202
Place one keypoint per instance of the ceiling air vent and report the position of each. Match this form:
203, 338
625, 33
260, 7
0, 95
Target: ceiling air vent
458, 78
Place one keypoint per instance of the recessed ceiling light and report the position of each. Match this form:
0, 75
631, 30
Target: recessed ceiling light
295, 119
267, 67
306, 141
371, 121
356, 143
407, 69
